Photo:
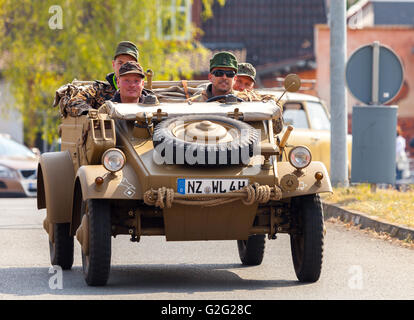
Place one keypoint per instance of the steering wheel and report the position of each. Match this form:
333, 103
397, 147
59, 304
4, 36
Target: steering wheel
225, 96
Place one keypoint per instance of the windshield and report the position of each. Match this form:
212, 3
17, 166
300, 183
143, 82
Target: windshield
295, 115
317, 116
10, 148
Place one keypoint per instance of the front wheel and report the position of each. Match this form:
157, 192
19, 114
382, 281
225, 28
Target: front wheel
251, 251
61, 248
96, 262
307, 237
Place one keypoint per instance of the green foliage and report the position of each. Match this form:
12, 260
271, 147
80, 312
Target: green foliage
350, 3
39, 55
207, 4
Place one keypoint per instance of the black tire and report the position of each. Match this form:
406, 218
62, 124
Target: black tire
307, 238
96, 265
238, 151
61, 249
251, 251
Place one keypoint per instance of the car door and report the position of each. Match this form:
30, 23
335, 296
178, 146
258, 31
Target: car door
311, 128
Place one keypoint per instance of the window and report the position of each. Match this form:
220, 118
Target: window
295, 115
174, 19
317, 116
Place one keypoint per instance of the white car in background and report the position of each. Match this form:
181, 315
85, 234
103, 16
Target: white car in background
18, 169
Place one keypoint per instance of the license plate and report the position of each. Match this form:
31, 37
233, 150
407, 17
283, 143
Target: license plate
208, 186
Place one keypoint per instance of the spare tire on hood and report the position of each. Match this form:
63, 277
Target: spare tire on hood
204, 140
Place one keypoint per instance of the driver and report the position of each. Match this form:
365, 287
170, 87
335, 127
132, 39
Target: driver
223, 70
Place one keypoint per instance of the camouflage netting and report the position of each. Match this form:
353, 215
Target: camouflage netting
77, 97
176, 93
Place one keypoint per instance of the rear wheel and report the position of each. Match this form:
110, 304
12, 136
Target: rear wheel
96, 262
307, 237
61, 249
251, 251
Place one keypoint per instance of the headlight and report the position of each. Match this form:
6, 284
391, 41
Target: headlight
300, 157
7, 173
113, 160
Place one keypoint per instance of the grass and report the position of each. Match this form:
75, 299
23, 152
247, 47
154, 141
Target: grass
388, 204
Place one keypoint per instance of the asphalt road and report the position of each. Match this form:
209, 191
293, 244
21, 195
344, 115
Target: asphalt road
356, 266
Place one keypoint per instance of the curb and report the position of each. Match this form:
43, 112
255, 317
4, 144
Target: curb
365, 221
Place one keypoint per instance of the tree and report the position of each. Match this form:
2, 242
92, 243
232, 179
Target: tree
45, 44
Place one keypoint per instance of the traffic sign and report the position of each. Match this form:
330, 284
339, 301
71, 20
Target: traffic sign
374, 74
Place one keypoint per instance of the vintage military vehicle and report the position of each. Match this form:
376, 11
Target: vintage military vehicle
215, 170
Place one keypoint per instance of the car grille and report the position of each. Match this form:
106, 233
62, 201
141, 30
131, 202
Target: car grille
28, 174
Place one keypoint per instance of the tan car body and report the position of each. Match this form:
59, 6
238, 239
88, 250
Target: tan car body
70, 178
58, 181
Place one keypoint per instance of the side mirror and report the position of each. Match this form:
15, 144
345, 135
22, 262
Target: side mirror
292, 82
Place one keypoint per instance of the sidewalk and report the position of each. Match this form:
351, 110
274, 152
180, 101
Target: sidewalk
364, 221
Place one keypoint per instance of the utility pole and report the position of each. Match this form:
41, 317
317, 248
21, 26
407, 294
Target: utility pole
338, 101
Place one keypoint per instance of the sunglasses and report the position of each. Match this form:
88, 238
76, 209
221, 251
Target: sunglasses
220, 73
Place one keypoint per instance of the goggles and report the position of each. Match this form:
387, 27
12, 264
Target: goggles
220, 73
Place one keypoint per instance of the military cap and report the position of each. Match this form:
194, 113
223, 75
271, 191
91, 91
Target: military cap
131, 67
127, 47
246, 69
223, 59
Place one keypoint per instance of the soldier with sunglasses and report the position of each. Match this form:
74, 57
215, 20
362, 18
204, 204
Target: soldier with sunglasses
223, 70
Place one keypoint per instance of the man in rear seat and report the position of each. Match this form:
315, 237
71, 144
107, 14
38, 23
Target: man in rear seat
76, 100
130, 82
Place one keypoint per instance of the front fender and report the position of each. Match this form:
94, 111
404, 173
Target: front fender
307, 182
55, 186
123, 184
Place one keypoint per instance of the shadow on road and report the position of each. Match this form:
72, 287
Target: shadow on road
135, 279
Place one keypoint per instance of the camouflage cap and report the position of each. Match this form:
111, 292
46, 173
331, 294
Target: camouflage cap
246, 69
127, 47
223, 59
131, 67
